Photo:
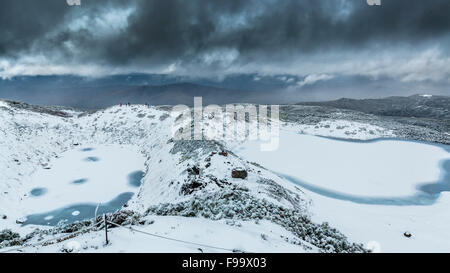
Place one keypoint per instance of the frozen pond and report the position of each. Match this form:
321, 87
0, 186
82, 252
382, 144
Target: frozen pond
372, 191
374, 172
83, 182
77, 212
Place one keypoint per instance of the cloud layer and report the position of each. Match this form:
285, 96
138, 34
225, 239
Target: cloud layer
316, 39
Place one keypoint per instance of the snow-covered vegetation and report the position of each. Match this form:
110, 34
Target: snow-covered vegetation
181, 179
61, 167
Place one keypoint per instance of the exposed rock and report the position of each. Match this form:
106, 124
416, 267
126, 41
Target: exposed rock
239, 173
194, 170
190, 187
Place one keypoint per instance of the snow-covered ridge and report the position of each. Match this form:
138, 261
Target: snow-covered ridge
177, 174
3, 104
341, 129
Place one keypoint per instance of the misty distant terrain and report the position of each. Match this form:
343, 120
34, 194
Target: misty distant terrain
95, 93
420, 106
159, 89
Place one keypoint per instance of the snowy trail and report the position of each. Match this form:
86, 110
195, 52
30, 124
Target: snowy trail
246, 237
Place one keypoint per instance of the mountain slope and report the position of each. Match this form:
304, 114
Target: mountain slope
332, 165
421, 106
181, 178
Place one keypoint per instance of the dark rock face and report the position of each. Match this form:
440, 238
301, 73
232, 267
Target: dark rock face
194, 170
191, 187
407, 234
239, 173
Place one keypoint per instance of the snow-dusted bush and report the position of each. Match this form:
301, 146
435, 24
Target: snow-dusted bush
242, 206
9, 238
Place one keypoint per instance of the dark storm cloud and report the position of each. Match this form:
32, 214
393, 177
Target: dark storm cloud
23, 22
165, 31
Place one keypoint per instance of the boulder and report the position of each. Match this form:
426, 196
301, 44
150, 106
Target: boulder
239, 173
191, 187
194, 170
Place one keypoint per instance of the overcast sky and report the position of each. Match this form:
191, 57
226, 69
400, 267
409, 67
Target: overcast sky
407, 41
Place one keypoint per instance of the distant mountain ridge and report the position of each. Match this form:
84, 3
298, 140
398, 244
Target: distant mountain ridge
94, 97
94, 93
420, 106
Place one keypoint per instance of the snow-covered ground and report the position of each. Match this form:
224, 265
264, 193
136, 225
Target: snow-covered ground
246, 236
340, 129
3, 104
369, 190
56, 166
45, 152
386, 225
73, 162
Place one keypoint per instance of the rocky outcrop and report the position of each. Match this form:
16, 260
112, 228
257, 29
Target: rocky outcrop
239, 174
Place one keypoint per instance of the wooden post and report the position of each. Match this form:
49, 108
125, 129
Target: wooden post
106, 229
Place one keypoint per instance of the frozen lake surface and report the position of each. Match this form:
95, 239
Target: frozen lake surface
373, 191
381, 171
81, 180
